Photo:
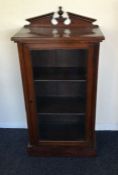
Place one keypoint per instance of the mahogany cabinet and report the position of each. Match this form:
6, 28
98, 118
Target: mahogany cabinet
58, 55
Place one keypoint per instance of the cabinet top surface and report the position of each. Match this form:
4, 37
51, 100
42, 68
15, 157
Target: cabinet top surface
59, 26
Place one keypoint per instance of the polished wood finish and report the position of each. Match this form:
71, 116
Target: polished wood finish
59, 65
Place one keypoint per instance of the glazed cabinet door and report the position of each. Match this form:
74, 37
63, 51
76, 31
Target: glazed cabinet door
59, 84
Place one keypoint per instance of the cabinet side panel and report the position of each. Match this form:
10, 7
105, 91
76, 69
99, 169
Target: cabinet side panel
90, 75
32, 129
92, 89
95, 77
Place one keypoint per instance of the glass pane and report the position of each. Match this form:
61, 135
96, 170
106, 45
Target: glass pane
59, 58
59, 73
62, 127
60, 87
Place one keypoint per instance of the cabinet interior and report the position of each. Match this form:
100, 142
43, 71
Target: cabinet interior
60, 82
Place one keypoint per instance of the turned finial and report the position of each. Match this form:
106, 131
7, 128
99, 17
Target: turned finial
60, 12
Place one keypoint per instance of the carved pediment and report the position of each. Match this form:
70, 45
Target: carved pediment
61, 19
